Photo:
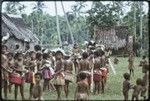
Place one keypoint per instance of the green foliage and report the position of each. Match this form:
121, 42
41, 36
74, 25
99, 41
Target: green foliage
14, 8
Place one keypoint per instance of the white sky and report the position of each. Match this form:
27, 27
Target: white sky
50, 7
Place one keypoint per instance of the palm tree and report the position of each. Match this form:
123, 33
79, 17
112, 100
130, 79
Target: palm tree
58, 28
39, 6
72, 38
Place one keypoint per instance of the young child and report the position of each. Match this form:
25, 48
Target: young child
18, 68
126, 85
4, 70
46, 72
97, 75
137, 89
68, 68
131, 63
32, 70
82, 89
143, 61
10, 65
37, 88
145, 81
84, 66
116, 60
59, 79
39, 58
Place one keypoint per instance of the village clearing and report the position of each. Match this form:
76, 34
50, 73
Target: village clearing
113, 90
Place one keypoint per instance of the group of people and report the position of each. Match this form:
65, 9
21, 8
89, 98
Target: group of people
55, 70
141, 87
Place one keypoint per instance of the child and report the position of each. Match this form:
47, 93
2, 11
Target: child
137, 89
76, 53
116, 60
68, 68
143, 61
10, 65
126, 85
18, 68
37, 88
144, 82
59, 80
46, 72
97, 75
5, 70
32, 70
131, 63
84, 66
82, 89
39, 58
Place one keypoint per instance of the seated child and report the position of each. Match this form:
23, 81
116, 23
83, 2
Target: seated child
37, 88
116, 60
126, 85
82, 89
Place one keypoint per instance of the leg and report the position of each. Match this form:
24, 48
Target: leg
5, 88
66, 88
98, 87
102, 82
16, 91
95, 87
132, 72
22, 91
9, 86
58, 91
44, 85
30, 90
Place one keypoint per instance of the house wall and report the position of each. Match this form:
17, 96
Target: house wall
108, 37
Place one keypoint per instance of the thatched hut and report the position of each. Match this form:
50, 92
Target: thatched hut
115, 37
19, 33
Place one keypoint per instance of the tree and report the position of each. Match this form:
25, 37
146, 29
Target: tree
15, 8
104, 14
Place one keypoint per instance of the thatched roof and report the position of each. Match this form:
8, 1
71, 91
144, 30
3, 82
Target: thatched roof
18, 28
114, 36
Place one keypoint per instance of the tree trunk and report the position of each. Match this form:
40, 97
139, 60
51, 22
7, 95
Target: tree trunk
57, 23
141, 34
134, 30
72, 38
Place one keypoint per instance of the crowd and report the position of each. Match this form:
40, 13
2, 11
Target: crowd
55, 70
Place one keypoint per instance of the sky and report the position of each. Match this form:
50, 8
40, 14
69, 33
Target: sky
50, 6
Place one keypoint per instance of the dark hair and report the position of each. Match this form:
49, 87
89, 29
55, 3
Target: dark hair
144, 57
85, 55
82, 76
96, 54
126, 76
36, 74
17, 54
31, 52
38, 55
45, 55
139, 81
59, 52
37, 48
10, 54
4, 46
